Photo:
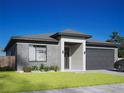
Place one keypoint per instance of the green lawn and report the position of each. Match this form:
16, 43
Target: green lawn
11, 82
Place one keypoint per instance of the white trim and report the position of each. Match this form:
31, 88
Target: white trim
62, 54
116, 54
69, 58
84, 55
83, 42
72, 40
73, 70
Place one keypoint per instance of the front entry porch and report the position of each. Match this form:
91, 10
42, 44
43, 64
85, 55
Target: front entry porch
72, 55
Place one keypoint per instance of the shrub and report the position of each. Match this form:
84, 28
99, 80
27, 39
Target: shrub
27, 69
41, 67
52, 67
7, 68
55, 68
46, 68
34, 68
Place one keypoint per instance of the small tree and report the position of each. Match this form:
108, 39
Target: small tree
115, 38
119, 41
121, 50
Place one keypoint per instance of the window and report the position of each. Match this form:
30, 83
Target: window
41, 53
31, 53
37, 53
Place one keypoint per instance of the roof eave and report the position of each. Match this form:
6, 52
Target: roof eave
101, 44
71, 34
14, 40
11, 41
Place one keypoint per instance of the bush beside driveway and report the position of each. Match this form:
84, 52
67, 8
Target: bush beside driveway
11, 82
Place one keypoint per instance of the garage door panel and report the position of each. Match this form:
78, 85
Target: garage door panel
99, 58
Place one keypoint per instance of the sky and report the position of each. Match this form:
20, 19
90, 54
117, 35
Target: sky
96, 17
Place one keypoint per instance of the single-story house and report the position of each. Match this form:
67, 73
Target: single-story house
70, 50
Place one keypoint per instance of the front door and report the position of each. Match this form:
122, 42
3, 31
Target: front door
66, 56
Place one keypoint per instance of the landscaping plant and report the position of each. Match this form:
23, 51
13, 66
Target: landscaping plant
27, 69
35, 68
41, 67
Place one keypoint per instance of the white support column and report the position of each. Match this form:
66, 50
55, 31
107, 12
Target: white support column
62, 54
84, 55
116, 54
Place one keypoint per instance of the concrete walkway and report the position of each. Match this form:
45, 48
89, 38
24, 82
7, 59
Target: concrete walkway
115, 88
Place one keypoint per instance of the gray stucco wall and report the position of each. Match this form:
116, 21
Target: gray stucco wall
99, 58
95, 58
77, 57
53, 56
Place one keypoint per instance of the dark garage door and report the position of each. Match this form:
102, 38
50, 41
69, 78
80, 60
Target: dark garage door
99, 58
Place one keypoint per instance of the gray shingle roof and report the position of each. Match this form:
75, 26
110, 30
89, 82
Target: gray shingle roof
43, 37
31, 38
48, 37
99, 43
71, 33
51, 37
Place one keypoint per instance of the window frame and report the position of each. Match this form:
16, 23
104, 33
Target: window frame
35, 46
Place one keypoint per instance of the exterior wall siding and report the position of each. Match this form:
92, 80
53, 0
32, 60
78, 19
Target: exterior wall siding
23, 56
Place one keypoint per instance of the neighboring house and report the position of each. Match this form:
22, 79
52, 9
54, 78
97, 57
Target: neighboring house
70, 50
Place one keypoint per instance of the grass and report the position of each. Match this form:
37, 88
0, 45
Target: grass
11, 82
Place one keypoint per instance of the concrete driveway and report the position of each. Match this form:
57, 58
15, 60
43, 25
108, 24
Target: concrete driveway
114, 72
113, 88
